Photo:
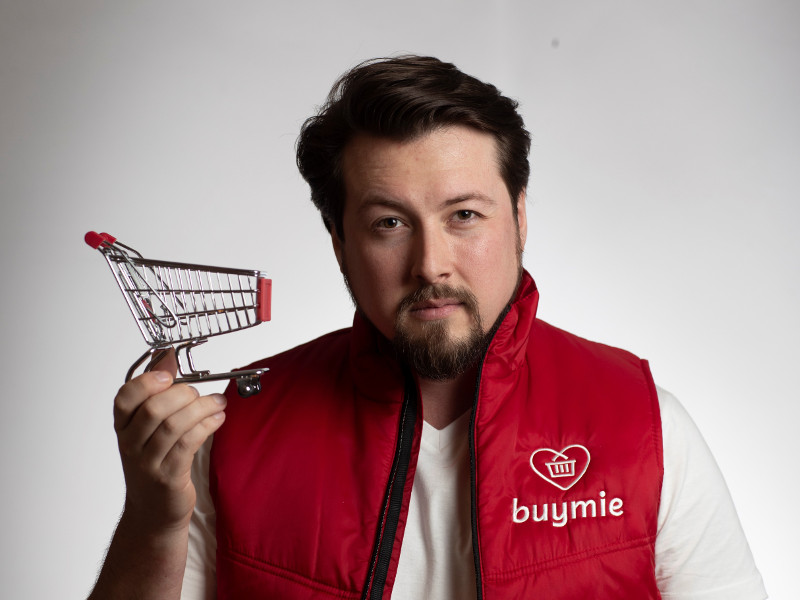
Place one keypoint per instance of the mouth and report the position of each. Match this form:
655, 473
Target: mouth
436, 303
437, 308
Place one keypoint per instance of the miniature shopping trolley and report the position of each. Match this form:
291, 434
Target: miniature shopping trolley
180, 306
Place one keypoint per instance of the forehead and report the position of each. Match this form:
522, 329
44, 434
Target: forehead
449, 161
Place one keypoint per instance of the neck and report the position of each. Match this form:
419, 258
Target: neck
444, 401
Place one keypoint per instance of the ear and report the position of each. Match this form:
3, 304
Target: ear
522, 218
337, 246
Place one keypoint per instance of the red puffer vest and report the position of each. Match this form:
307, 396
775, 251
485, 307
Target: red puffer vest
311, 478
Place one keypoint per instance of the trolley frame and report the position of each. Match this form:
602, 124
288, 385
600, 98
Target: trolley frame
180, 305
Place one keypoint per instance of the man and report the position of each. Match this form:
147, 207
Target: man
449, 445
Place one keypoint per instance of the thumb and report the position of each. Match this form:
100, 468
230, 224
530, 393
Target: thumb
164, 360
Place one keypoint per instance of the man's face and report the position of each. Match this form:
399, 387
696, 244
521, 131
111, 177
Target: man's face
431, 250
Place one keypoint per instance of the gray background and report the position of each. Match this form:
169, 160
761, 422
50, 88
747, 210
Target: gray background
662, 208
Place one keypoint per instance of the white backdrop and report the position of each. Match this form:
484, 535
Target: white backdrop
663, 211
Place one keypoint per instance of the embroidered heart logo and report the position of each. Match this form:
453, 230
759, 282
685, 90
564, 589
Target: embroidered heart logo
563, 469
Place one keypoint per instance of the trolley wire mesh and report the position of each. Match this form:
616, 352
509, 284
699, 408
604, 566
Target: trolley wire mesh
183, 304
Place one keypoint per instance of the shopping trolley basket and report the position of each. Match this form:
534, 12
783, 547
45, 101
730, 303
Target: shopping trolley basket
180, 306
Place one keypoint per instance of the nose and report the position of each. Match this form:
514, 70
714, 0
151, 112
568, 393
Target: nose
432, 258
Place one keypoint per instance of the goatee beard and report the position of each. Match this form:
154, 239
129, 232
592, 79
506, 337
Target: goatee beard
431, 350
432, 353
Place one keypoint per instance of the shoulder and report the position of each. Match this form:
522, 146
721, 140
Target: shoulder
565, 340
331, 347
555, 348
309, 366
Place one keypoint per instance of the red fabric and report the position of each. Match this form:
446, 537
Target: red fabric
299, 471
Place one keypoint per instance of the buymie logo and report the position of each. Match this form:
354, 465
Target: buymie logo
563, 469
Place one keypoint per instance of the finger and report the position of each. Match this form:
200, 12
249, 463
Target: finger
150, 415
172, 430
179, 458
131, 395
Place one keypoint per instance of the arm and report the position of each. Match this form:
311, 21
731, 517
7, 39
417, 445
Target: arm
159, 428
701, 550
200, 577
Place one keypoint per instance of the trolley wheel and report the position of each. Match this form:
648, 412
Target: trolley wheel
247, 386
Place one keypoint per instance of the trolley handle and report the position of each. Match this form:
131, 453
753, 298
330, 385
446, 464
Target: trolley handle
95, 240
264, 309
107, 244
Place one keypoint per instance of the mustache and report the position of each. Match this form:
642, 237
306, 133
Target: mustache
435, 292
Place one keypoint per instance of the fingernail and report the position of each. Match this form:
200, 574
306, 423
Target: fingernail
162, 376
220, 399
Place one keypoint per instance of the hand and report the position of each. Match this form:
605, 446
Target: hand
159, 428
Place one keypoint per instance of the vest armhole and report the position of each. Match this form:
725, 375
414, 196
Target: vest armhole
655, 409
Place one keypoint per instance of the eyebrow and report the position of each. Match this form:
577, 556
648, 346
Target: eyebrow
371, 201
378, 200
470, 196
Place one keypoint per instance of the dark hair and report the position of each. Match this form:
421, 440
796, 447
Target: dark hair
402, 98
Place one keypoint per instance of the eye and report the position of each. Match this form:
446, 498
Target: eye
388, 223
465, 215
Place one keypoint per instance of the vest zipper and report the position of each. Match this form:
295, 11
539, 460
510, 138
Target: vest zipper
473, 457
393, 498
473, 474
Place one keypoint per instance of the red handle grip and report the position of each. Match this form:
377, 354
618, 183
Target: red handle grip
264, 299
95, 239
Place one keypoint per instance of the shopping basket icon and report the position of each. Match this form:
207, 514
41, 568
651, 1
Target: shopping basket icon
562, 468
180, 306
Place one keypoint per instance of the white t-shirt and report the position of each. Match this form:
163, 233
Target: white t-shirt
436, 556
701, 550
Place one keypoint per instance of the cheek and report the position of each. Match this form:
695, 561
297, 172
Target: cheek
373, 277
491, 258
373, 268
492, 271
